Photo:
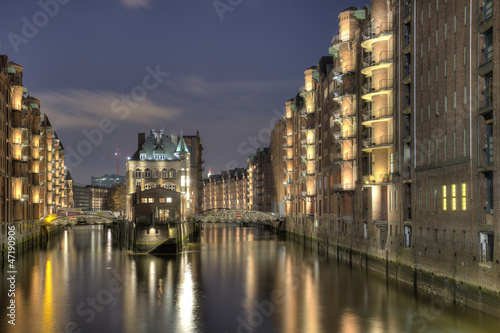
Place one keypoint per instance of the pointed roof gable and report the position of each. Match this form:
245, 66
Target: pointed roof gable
181, 147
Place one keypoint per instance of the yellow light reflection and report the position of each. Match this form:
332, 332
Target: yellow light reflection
186, 301
48, 301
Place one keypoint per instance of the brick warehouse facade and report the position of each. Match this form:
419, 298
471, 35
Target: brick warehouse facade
390, 144
32, 171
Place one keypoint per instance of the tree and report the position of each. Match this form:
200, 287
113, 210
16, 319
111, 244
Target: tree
117, 198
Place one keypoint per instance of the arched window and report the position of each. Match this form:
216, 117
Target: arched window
147, 173
155, 173
164, 173
137, 173
172, 173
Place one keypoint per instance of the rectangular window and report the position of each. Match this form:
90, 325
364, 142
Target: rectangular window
453, 197
437, 73
396, 201
445, 67
421, 17
445, 31
437, 150
427, 199
454, 62
437, 37
428, 152
390, 230
169, 199
429, 4
144, 200
437, 5
454, 99
445, 103
454, 145
151, 200
445, 146
390, 201
419, 199
429, 44
428, 78
465, 15
465, 55
465, 142
464, 198
421, 49
435, 198
444, 198
455, 23
465, 95
162, 200
428, 112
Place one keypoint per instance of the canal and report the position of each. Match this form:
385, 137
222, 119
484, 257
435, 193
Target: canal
231, 280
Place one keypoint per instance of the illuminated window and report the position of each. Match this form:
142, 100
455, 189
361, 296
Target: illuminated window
151, 200
464, 193
453, 197
444, 197
144, 200
137, 173
169, 199
162, 200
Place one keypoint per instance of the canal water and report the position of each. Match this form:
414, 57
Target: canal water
230, 280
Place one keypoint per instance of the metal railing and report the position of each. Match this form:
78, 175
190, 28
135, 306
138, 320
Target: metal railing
375, 60
375, 31
375, 114
378, 141
377, 86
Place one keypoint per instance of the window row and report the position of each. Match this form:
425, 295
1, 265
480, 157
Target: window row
155, 173
457, 201
160, 200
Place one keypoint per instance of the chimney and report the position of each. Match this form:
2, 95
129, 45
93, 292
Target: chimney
174, 138
141, 137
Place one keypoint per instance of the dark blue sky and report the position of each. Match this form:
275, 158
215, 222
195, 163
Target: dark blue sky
90, 63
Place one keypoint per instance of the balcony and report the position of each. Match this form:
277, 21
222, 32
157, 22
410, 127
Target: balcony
344, 135
339, 93
305, 142
344, 157
346, 67
381, 87
372, 63
372, 180
337, 42
376, 33
485, 103
380, 142
339, 187
381, 114
486, 19
340, 114
486, 63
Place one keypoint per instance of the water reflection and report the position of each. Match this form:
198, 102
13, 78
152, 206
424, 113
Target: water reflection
232, 280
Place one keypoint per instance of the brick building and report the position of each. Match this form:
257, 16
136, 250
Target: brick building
229, 189
260, 180
32, 171
389, 145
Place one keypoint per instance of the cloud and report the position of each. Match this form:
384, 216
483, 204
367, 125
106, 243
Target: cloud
134, 4
79, 108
